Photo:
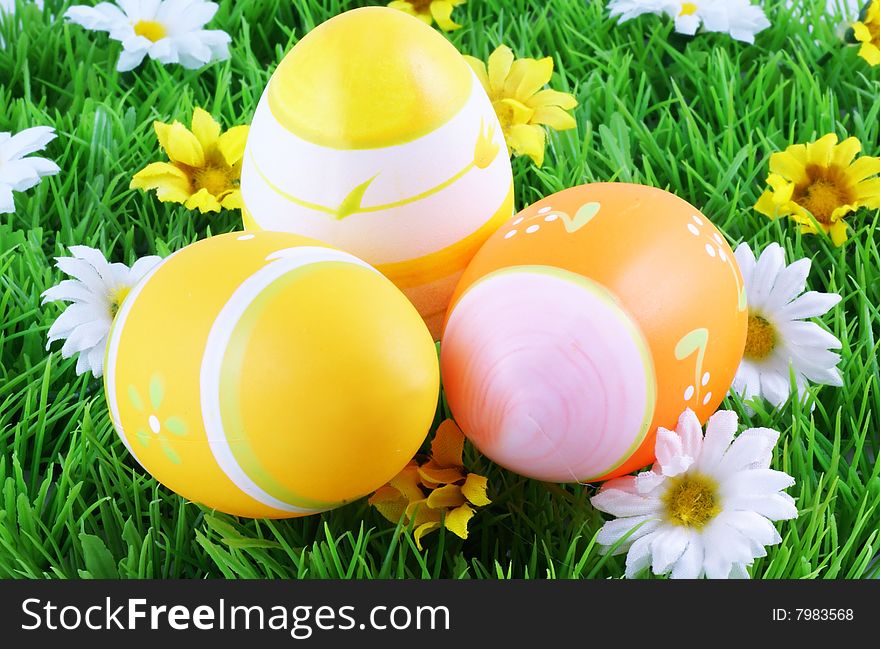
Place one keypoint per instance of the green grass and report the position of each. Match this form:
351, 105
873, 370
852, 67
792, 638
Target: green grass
698, 119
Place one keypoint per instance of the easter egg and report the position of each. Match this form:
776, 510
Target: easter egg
588, 320
269, 375
374, 135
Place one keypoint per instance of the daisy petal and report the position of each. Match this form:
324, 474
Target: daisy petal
753, 526
614, 530
719, 434
809, 305
667, 547
690, 564
639, 556
790, 282
756, 482
776, 507
620, 503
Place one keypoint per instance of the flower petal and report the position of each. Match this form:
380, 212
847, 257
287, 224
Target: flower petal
232, 200
690, 564
445, 497
614, 530
639, 556
527, 77
770, 263
180, 144
205, 128
441, 11
820, 151
68, 290
479, 69
203, 200
407, 483
691, 433
745, 258
790, 164
776, 507
621, 503
667, 547
141, 267
751, 449
554, 117
500, 62
790, 282
526, 139
844, 152
74, 316
757, 482
549, 97
423, 529
719, 434
232, 144
668, 450
447, 445
862, 168
474, 489
809, 305
457, 520
28, 141
158, 174
84, 337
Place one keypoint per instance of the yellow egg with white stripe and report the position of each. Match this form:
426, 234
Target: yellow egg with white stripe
375, 136
267, 374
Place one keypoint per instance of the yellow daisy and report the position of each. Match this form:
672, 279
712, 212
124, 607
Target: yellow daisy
819, 183
437, 493
430, 11
204, 168
867, 32
523, 108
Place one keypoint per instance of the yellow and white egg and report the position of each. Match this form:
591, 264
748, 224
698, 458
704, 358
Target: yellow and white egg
269, 375
375, 136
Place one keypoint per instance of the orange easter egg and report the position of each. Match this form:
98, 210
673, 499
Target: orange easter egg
585, 322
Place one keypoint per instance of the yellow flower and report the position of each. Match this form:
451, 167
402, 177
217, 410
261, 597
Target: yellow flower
514, 86
429, 11
437, 493
205, 165
867, 32
819, 183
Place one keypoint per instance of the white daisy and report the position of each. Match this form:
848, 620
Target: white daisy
778, 337
96, 293
169, 31
738, 18
17, 172
705, 508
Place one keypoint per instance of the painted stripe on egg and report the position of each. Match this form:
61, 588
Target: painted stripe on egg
423, 196
216, 413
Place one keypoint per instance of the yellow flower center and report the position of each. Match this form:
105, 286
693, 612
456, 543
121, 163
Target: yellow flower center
825, 190
691, 500
150, 29
116, 299
213, 178
421, 6
760, 338
688, 9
